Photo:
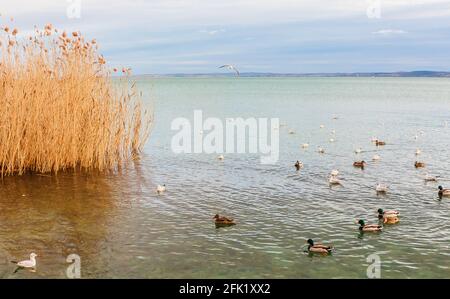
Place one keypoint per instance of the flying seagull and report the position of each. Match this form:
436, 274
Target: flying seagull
230, 67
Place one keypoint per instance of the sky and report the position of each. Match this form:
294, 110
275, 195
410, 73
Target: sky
279, 36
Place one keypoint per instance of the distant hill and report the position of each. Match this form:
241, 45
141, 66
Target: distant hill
371, 74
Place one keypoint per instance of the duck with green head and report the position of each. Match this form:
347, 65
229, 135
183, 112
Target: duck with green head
443, 192
369, 227
318, 248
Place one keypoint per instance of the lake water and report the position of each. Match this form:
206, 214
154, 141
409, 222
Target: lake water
121, 228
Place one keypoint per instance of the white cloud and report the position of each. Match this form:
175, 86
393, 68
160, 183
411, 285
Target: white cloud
386, 32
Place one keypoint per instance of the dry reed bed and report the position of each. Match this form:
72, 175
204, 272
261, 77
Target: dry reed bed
59, 109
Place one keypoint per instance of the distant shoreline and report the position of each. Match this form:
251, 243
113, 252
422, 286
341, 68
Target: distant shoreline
413, 74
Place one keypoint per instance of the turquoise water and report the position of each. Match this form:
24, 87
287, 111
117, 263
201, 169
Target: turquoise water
120, 227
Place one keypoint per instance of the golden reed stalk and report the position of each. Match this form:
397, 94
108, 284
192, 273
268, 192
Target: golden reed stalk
60, 110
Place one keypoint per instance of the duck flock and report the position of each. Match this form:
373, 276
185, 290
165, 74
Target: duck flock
388, 217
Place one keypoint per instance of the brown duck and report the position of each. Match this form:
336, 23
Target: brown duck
419, 164
223, 221
359, 164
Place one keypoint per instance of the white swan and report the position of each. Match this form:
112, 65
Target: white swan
381, 188
161, 189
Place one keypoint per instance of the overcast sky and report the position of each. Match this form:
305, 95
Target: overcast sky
284, 36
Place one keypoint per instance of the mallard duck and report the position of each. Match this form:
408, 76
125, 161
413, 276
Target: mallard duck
443, 192
298, 165
419, 164
334, 180
223, 221
369, 227
359, 164
161, 189
430, 178
388, 214
376, 157
391, 220
334, 172
380, 143
381, 188
318, 248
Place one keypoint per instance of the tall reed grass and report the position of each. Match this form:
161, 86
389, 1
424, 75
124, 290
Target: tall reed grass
59, 107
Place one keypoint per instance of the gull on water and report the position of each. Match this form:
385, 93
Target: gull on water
381, 188
31, 263
161, 189
334, 172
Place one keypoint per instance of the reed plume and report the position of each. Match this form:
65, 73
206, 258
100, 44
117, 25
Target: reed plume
60, 109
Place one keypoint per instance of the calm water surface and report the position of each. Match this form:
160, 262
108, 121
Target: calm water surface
121, 228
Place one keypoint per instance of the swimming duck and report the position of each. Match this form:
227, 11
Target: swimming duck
161, 189
419, 164
291, 132
220, 157
391, 220
381, 188
380, 143
321, 150
223, 221
389, 213
369, 227
443, 192
334, 180
332, 140
418, 152
430, 178
358, 150
305, 145
359, 164
318, 248
298, 165
376, 157
322, 126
